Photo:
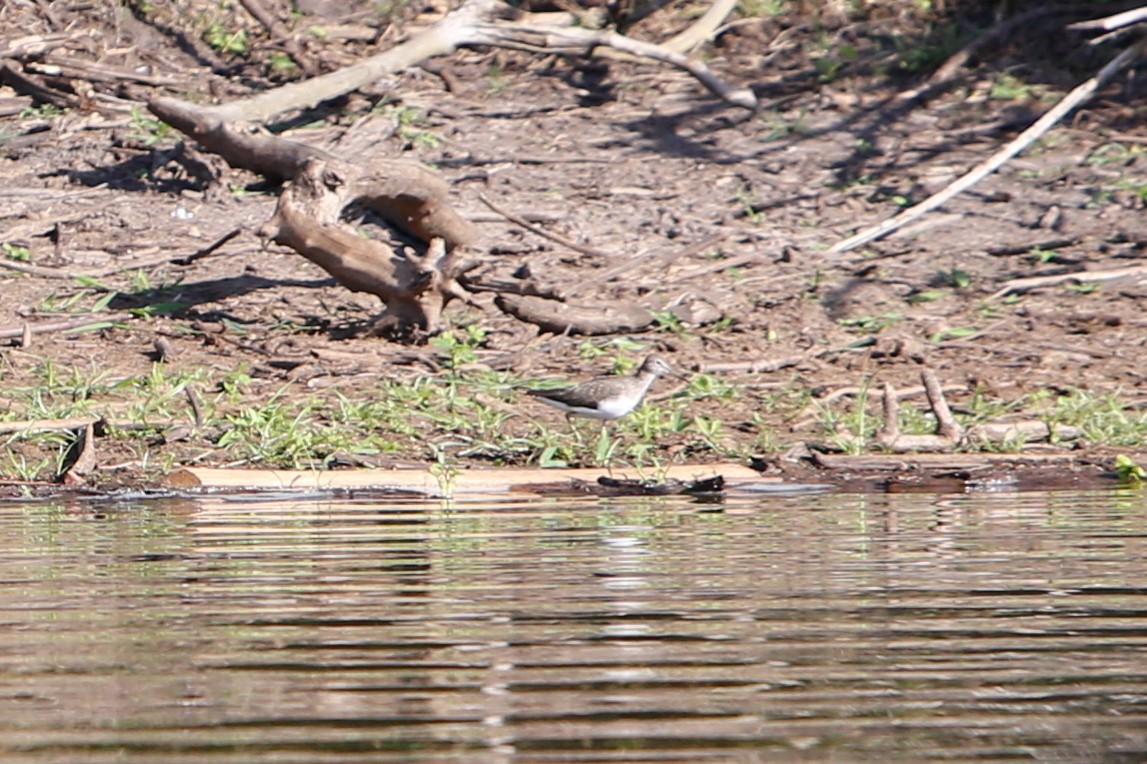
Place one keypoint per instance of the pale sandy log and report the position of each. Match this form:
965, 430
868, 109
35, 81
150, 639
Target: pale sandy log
436, 483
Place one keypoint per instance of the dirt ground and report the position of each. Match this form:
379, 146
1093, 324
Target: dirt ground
634, 162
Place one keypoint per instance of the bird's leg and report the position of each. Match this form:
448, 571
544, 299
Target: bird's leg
573, 426
603, 452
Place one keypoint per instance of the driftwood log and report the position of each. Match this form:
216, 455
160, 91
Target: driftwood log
408, 195
415, 286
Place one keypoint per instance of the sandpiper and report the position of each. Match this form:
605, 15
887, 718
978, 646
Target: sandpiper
606, 397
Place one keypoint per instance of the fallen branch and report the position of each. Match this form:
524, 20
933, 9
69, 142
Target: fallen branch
471, 24
583, 41
703, 29
564, 318
36, 270
1069, 102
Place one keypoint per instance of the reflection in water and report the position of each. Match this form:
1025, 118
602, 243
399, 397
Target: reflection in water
815, 628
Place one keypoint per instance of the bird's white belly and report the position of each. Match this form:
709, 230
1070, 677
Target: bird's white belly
614, 408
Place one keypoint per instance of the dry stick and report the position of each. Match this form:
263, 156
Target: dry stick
724, 265
1027, 137
55, 273
703, 29
62, 326
752, 367
35, 270
169, 258
75, 423
658, 264
61, 65
279, 31
948, 431
1109, 23
576, 40
516, 220
1035, 282
946, 424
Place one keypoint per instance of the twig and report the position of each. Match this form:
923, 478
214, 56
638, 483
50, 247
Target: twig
279, 31
36, 270
62, 326
946, 425
1108, 23
703, 29
76, 423
170, 258
1027, 137
656, 263
519, 221
577, 40
724, 265
56, 273
752, 367
1015, 286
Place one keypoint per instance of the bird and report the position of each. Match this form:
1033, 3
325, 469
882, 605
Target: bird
606, 397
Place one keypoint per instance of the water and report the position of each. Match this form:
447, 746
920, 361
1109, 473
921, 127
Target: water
991, 627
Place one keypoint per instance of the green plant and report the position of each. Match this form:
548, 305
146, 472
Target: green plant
14, 252
852, 429
914, 55
147, 130
1128, 470
1083, 287
604, 449
667, 321
749, 206
225, 41
762, 8
497, 79
282, 65
930, 295
871, 324
20, 467
1008, 87
411, 124
459, 345
702, 386
43, 111
953, 333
